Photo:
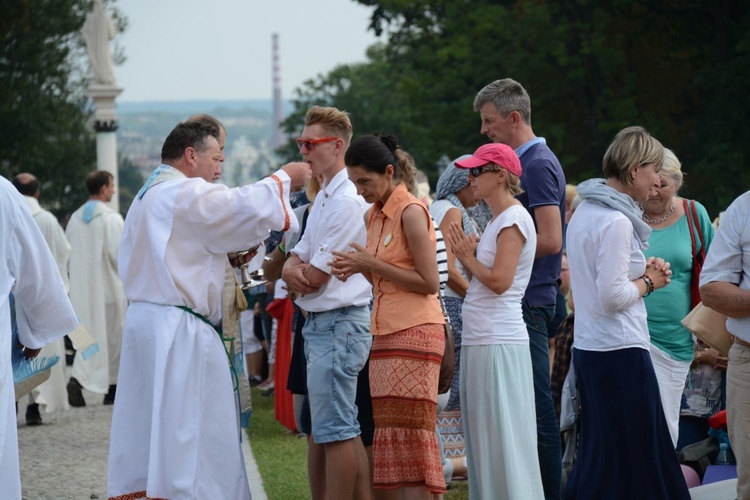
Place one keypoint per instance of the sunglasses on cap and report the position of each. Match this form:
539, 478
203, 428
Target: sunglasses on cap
309, 144
477, 171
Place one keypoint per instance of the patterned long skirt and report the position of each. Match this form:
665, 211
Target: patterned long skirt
404, 371
449, 419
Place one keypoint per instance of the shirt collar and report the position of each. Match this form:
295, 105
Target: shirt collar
397, 196
520, 150
336, 182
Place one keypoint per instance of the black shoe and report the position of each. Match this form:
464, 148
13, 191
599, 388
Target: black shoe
75, 396
32, 415
109, 398
254, 380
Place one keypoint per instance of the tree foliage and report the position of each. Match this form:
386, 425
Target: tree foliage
130, 180
677, 67
360, 89
45, 124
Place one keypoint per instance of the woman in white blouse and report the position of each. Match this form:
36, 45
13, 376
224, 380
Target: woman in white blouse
625, 449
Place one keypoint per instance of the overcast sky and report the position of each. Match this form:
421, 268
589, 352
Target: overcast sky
221, 49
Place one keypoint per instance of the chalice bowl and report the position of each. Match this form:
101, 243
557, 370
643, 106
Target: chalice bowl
251, 272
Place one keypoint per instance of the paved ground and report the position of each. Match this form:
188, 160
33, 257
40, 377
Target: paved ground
66, 457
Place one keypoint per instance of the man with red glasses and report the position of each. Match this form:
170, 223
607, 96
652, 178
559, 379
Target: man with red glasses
505, 109
337, 329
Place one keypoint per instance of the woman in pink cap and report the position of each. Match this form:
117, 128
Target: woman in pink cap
496, 384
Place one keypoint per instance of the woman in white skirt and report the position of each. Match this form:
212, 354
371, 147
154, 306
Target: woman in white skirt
496, 384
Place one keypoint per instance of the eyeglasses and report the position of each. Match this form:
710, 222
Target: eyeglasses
310, 143
477, 171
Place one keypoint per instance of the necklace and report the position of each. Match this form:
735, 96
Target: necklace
658, 221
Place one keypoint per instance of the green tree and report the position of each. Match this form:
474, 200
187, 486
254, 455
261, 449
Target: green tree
677, 67
363, 90
129, 179
45, 124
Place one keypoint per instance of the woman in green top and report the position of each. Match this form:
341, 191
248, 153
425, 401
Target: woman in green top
672, 349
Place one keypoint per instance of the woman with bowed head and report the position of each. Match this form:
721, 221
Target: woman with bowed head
497, 386
453, 196
625, 450
672, 349
406, 321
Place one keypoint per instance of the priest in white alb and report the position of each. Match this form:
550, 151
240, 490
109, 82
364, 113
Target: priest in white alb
50, 395
43, 314
175, 430
96, 292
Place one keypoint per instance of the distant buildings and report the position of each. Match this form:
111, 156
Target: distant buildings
249, 153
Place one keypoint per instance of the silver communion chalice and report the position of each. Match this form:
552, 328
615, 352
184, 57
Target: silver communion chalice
251, 272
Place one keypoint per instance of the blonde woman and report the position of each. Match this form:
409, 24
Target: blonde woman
625, 450
672, 349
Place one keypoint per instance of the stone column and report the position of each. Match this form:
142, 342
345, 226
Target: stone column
105, 125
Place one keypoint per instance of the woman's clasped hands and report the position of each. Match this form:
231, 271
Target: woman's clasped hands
345, 264
658, 270
462, 245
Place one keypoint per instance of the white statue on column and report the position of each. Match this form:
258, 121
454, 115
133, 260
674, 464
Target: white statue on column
98, 30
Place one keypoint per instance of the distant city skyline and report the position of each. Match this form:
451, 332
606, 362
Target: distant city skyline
249, 152
182, 50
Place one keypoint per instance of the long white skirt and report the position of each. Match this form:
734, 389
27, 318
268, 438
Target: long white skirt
175, 432
499, 417
671, 375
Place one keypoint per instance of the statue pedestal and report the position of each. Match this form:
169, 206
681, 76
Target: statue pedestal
105, 125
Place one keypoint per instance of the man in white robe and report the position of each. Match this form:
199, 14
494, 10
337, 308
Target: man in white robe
51, 394
94, 232
43, 314
174, 427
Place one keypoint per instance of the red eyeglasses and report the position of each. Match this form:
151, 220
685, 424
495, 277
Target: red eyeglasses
309, 144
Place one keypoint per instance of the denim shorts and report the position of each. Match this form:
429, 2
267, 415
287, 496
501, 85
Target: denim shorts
337, 345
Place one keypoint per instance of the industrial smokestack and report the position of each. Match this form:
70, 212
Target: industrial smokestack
277, 135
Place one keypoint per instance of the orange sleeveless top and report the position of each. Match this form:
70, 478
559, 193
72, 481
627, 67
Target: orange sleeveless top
394, 308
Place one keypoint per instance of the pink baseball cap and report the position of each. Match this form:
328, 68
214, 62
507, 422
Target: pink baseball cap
499, 154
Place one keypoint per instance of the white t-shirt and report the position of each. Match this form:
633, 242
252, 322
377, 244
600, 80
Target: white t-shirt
438, 209
605, 257
489, 318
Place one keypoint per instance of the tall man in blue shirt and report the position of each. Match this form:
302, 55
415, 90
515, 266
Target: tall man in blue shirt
505, 109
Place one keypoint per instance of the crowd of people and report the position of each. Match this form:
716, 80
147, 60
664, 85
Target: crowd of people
361, 259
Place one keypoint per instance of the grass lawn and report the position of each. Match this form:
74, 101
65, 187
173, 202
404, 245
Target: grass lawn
282, 457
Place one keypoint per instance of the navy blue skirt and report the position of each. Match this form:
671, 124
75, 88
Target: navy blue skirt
625, 450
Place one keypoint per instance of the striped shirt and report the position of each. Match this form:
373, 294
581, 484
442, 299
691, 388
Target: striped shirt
442, 257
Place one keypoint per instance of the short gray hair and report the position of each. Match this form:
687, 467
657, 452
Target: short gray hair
506, 95
671, 167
